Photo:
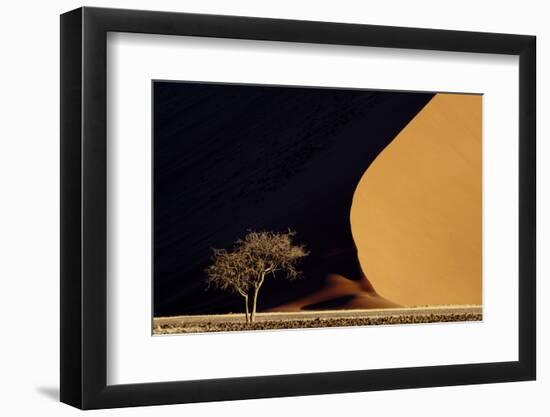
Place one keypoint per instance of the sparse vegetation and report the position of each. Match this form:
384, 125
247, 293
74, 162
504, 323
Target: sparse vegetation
257, 256
190, 325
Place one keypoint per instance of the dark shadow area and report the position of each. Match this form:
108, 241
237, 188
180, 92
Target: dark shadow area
330, 304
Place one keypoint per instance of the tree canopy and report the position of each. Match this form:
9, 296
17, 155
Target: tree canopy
258, 255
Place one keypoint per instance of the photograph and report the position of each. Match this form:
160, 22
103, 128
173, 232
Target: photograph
293, 207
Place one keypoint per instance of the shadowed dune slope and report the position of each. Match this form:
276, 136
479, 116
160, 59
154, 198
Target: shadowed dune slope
339, 293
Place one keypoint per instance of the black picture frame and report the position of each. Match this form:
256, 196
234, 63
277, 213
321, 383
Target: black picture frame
84, 223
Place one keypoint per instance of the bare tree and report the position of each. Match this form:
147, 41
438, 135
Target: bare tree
254, 258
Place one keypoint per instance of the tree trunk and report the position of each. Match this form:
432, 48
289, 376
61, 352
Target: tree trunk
247, 313
255, 300
254, 304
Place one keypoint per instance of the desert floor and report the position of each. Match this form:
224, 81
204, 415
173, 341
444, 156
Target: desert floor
313, 319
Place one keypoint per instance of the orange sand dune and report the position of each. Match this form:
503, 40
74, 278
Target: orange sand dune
339, 293
417, 211
416, 217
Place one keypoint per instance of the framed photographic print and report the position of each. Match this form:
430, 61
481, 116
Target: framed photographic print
354, 202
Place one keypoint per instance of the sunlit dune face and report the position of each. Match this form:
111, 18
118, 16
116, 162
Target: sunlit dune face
417, 212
